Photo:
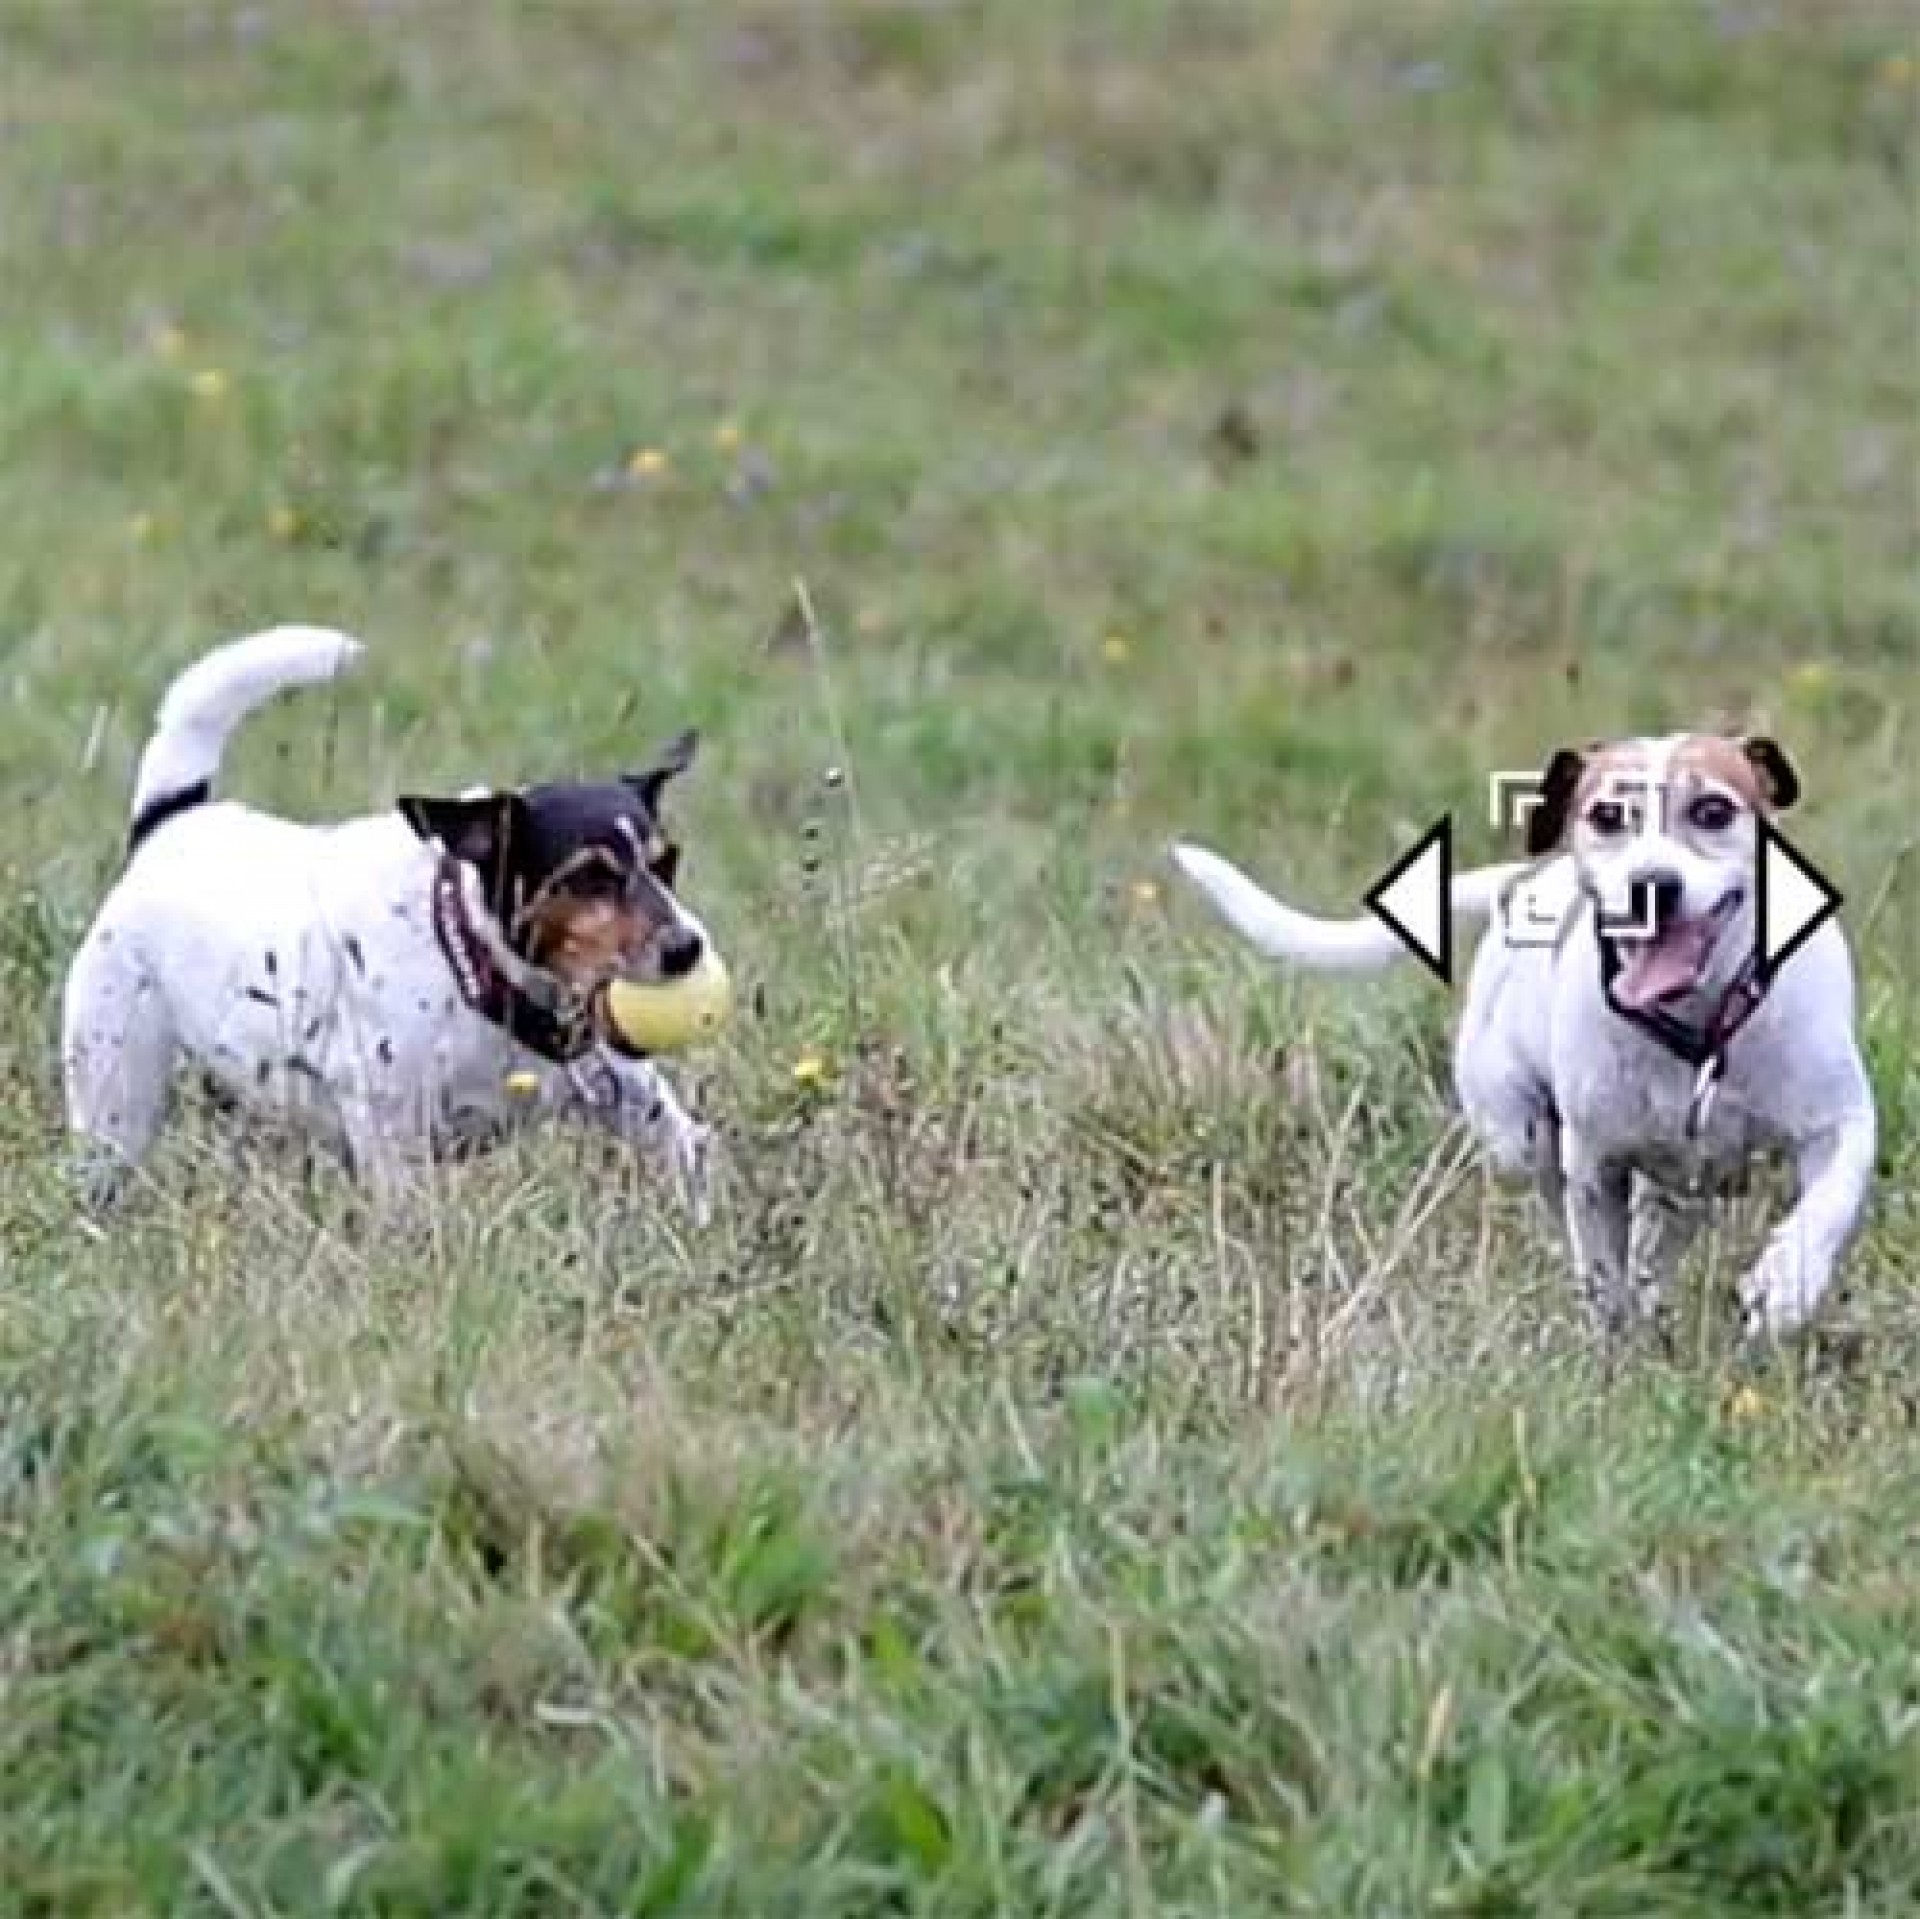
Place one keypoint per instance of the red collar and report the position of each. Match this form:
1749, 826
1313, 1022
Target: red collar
533, 1009
1704, 1044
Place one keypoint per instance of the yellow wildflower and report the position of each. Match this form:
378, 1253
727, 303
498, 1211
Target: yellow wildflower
1116, 649
208, 384
810, 1069
647, 463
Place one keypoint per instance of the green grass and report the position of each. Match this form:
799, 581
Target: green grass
1113, 1452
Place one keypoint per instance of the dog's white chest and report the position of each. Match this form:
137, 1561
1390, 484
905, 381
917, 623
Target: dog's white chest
1652, 1111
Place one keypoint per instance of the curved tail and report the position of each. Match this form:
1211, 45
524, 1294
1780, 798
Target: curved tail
1361, 945
211, 698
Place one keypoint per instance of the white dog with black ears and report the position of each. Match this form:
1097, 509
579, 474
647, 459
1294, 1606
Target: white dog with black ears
414, 981
1631, 1075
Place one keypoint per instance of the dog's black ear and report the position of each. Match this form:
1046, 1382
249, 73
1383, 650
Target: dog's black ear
1553, 800
673, 758
1779, 783
477, 828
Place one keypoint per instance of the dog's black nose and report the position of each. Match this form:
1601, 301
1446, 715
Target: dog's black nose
679, 952
1660, 897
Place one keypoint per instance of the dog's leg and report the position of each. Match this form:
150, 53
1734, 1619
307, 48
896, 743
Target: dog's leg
1834, 1170
1549, 1176
650, 1116
1516, 1129
1661, 1226
387, 1155
117, 1052
1598, 1199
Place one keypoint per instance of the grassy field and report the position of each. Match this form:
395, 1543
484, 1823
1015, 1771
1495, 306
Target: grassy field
1114, 1451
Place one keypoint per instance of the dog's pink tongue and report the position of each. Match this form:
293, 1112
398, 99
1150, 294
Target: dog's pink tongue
1665, 966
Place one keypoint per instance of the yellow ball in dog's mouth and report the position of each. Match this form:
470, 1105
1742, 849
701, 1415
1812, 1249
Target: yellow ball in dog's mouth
669, 1015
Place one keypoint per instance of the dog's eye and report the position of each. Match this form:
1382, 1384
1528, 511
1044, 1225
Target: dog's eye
1607, 817
1712, 813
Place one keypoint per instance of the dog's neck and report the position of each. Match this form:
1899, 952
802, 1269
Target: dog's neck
504, 988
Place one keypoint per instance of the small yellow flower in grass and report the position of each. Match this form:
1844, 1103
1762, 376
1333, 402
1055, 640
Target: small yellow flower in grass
810, 1069
647, 463
1809, 679
727, 435
1745, 1403
1116, 649
282, 522
209, 384
1146, 893
523, 1085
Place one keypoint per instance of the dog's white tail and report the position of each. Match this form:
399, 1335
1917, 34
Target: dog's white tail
1334, 946
211, 698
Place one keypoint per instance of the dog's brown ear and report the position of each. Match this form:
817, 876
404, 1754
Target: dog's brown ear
1553, 799
477, 828
1779, 783
672, 759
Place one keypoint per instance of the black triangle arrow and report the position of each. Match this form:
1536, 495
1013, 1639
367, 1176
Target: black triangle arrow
1774, 845
1435, 953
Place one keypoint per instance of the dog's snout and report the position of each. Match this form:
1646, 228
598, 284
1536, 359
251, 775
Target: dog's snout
679, 952
1659, 896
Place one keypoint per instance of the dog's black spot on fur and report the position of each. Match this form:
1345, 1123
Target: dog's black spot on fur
297, 1063
261, 996
356, 955
383, 1052
217, 1096
273, 964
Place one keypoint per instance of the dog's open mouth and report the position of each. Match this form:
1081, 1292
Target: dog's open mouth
1671, 961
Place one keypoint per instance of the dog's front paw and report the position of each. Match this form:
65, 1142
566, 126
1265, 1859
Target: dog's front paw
1778, 1297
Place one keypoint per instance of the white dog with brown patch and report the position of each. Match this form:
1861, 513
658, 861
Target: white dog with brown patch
1637, 1056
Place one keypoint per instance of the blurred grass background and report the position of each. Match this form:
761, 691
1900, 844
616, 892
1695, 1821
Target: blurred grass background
1112, 1453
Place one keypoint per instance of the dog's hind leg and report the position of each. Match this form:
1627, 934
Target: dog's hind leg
117, 1053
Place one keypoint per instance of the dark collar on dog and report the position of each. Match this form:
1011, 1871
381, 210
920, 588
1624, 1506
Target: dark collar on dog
534, 1008
1703, 1044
